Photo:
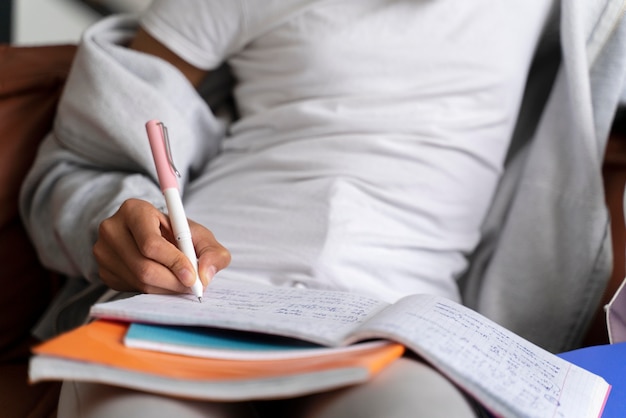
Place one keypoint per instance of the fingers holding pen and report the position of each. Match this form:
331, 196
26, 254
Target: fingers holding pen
165, 264
212, 256
134, 251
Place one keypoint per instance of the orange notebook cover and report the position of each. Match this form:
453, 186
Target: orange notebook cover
95, 352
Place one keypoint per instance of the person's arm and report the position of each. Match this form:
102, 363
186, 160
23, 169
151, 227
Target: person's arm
136, 249
144, 42
94, 180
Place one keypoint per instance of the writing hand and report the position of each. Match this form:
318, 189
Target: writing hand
136, 251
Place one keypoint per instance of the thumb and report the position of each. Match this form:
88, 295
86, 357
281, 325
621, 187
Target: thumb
212, 256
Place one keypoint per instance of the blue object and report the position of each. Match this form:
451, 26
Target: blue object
214, 338
608, 361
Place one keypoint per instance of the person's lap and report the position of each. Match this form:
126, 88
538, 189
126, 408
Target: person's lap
406, 388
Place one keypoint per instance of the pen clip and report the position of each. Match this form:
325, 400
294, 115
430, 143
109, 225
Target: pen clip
168, 149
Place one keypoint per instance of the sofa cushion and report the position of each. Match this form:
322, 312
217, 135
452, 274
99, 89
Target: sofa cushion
31, 80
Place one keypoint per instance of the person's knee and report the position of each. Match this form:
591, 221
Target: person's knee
407, 388
92, 400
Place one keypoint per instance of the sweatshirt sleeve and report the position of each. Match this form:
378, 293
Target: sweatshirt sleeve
97, 155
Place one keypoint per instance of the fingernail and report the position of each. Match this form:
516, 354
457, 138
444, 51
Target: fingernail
209, 272
186, 277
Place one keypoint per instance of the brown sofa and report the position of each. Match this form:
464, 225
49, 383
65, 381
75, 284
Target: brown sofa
31, 80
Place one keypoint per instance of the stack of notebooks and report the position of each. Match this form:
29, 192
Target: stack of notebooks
257, 342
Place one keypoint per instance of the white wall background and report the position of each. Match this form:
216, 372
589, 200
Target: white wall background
40, 22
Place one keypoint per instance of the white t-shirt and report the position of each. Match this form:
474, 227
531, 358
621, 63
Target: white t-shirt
371, 138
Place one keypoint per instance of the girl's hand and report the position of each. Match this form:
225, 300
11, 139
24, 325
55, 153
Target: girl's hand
136, 251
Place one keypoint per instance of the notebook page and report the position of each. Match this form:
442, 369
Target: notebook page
323, 317
508, 374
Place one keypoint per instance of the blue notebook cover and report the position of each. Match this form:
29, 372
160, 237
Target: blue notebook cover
226, 344
608, 361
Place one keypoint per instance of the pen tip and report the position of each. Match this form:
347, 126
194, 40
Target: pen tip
200, 299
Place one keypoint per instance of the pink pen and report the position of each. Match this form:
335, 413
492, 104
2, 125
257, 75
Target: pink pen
167, 173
